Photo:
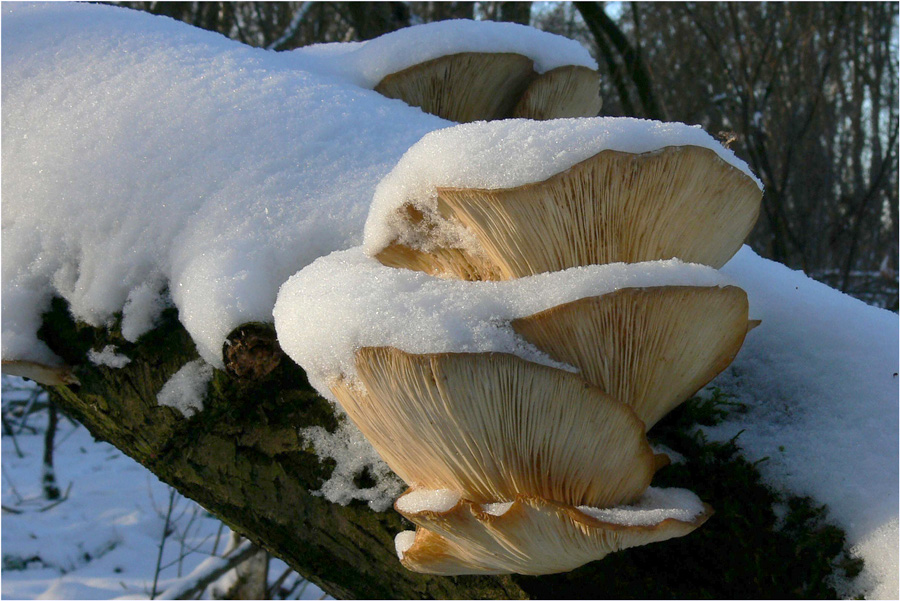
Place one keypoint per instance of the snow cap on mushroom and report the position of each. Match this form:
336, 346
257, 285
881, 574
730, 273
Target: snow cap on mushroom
519, 197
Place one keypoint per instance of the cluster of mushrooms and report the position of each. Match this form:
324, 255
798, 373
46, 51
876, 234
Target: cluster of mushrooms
514, 466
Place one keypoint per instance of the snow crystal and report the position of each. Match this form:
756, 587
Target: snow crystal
654, 506
497, 509
422, 499
108, 357
361, 302
818, 377
353, 456
186, 389
514, 152
367, 63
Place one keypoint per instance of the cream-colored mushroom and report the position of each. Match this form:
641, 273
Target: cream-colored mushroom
493, 426
483, 86
536, 536
463, 87
569, 91
48, 375
651, 348
680, 201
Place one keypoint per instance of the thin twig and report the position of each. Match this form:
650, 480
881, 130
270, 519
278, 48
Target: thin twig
203, 575
218, 536
11, 485
162, 543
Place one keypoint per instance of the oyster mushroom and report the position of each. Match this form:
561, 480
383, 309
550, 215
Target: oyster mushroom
536, 536
463, 87
651, 348
483, 86
678, 201
569, 91
493, 426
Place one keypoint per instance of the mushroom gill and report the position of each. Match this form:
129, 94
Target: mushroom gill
535, 536
568, 91
680, 201
463, 87
494, 426
651, 348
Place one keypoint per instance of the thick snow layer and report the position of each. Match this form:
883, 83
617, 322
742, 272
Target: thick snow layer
145, 158
360, 302
367, 63
505, 154
186, 389
140, 154
819, 378
654, 506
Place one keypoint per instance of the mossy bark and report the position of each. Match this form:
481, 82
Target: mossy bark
243, 459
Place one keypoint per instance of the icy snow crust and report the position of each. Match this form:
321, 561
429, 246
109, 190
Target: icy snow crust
654, 507
367, 63
141, 155
510, 153
360, 302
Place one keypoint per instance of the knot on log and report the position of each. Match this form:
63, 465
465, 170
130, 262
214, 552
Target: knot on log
251, 351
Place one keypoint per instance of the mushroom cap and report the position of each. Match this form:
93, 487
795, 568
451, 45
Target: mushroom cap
535, 536
651, 348
49, 375
568, 91
678, 202
494, 426
463, 87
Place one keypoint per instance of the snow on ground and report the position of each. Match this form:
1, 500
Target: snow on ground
102, 541
819, 377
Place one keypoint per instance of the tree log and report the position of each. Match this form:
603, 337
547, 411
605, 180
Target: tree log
242, 458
